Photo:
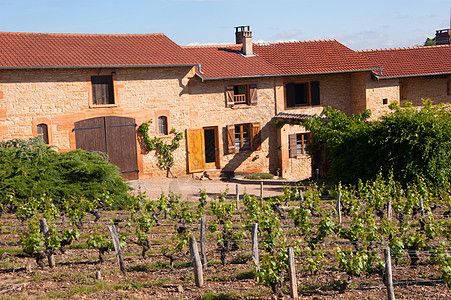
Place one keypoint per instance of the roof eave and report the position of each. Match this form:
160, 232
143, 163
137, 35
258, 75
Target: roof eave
292, 74
412, 75
95, 66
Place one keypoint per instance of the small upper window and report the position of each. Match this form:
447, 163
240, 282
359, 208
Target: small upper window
43, 132
241, 94
162, 125
102, 90
302, 94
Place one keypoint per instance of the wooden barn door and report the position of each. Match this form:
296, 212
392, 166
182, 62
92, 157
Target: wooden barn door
114, 136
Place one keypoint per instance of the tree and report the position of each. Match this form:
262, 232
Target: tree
411, 143
430, 42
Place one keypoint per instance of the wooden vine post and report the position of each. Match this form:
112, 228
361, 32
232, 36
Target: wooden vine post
117, 248
197, 266
237, 197
339, 206
301, 197
388, 278
292, 274
254, 237
45, 233
389, 210
203, 251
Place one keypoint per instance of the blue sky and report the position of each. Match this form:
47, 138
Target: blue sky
357, 24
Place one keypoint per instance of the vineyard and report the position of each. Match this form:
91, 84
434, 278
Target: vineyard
57, 249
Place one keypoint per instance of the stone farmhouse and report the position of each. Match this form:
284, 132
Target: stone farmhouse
231, 102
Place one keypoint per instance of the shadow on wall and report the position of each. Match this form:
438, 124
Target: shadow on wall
268, 132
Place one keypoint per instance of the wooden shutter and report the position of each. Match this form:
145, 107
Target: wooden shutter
290, 95
402, 91
195, 145
102, 90
256, 136
314, 88
253, 94
293, 143
229, 95
231, 139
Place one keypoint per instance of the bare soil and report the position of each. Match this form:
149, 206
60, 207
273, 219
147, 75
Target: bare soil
150, 278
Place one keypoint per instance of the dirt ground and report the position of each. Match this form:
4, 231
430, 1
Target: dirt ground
150, 278
189, 187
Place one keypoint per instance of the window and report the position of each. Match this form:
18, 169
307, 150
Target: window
162, 125
449, 87
241, 94
403, 91
43, 132
385, 101
298, 144
301, 94
243, 137
102, 90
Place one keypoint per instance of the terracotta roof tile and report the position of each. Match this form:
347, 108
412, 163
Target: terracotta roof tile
60, 50
413, 61
279, 59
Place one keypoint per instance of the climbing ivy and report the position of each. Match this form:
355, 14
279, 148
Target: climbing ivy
164, 148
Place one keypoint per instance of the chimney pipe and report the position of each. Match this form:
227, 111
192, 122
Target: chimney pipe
243, 36
443, 37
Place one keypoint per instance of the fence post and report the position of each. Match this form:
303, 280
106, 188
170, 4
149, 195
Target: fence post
117, 248
389, 210
261, 189
203, 251
292, 274
45, 232
197, 266
237, 197
254, 237
301, 197
339, 206
388, 275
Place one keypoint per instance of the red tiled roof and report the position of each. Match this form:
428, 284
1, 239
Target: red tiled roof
225, 61
293, 116
328, 56
76, 50
312, 57
413, 61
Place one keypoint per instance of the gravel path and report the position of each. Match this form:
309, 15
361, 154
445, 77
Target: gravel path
189, 187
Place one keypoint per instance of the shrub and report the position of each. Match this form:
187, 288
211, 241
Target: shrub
30, 168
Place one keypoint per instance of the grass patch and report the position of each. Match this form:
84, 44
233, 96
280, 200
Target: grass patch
222, 296
246, 275
241, 258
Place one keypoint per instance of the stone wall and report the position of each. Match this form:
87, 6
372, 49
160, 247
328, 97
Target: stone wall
377, 91
434, 88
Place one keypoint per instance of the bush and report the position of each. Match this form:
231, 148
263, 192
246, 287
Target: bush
412, 143
30, 168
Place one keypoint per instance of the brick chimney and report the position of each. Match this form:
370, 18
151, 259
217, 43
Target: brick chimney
442, 37
243, 36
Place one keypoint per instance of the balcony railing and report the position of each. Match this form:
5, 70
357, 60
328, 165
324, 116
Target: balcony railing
237, 99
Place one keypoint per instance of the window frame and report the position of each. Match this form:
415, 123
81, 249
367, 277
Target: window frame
166, 128
42, 131
298, 144
255, 137
241, 140
311, 89
250, 95
107, 80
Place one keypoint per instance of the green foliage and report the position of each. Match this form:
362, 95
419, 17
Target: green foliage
164, 148
430, 42
31, 169
410, 143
